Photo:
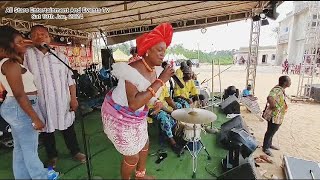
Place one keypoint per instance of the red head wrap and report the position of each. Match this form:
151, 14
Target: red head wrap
161, 33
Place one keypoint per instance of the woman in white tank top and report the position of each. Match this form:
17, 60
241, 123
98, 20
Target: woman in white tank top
18, 108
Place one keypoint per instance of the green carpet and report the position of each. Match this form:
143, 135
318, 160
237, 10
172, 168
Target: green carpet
106, 160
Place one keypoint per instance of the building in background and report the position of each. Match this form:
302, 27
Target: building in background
291, 35
266, 55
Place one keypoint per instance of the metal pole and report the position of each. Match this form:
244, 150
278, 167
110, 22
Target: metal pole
253, 54
220, 81
212, 80
198, 52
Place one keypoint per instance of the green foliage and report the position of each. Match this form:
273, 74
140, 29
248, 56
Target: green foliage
225, 56
124, 47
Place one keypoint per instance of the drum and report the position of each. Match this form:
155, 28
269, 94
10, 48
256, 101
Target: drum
188, 132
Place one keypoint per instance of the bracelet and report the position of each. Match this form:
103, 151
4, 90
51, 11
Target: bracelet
163, 84
152, 91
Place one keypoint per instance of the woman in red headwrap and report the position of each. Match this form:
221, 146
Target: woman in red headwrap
124, 109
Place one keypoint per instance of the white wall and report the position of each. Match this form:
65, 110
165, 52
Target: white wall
281, 54
294, 46
285, 30
268, 53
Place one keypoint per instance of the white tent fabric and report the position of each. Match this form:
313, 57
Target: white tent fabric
181, 56
119, 56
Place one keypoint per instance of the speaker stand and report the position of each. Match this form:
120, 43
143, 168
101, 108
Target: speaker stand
232, 160
211, 129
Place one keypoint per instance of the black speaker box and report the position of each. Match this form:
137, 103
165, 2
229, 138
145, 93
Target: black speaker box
236, 122
315, 92
247, 170
230, 105
107, 58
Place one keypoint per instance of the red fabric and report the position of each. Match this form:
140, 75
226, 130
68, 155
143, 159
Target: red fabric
161, 33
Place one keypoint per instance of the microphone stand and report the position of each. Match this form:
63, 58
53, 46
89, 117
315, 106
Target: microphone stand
212, 129
75, 77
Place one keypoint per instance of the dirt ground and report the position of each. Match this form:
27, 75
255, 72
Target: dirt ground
298, 136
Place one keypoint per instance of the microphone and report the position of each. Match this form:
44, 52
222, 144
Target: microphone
174, 77
44, 45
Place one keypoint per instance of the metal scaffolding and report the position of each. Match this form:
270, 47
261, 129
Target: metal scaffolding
311, 51
253, 54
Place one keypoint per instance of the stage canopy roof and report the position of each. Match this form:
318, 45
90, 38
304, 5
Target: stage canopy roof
124, 20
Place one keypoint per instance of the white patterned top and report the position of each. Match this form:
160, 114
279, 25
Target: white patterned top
52, 78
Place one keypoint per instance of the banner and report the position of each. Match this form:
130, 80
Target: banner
78, 56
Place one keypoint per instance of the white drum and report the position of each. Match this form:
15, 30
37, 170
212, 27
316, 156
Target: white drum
188, 132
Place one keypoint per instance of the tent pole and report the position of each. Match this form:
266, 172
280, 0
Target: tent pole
212, 81
212, 129
220, 81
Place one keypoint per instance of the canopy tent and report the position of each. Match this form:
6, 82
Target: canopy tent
119, 56
182, 57
170, 57
125, 20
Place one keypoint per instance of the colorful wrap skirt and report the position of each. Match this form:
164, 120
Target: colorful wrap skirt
127, 129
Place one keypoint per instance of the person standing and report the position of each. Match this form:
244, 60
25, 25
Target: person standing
285, 66
274, 112
124, 110
18, 108
57, 95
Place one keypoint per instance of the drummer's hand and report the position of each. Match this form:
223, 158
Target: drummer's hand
157, 107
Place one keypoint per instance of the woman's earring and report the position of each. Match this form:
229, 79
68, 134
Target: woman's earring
147, 54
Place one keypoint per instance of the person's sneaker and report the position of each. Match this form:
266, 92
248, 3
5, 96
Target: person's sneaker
52, 174
268, 152
80, 157
274, 147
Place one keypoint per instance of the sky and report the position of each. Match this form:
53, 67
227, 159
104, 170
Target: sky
230, 36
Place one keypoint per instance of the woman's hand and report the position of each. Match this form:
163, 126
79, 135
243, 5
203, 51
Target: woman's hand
38, 124
166, 74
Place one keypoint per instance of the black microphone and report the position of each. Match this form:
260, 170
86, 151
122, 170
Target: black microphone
44, 45
174, 77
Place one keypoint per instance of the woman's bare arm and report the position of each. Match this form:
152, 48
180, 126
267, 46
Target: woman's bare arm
138, 99
12, 71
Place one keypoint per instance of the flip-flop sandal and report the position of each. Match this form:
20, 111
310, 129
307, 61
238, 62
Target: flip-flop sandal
266, 158
259, 160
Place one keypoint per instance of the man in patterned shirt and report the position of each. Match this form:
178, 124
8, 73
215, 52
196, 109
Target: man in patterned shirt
277, 107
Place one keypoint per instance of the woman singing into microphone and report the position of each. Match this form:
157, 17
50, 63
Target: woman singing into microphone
124, 109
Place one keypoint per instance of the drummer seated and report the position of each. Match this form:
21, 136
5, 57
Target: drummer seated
189, 94
248, 93
161, 112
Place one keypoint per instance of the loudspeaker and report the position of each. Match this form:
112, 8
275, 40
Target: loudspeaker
107, 58
315, 92
249, 144
230, 105
246, 170
224, 135
231, 90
